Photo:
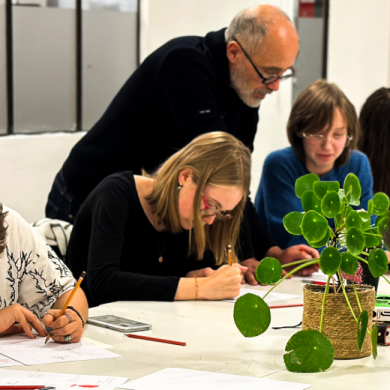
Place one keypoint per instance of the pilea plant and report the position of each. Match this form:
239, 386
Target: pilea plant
345, 244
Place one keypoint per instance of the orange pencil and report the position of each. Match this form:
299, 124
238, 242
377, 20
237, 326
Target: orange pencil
69, 299
230, 255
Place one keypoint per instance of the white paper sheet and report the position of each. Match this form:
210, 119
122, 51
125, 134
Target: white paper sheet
316, 276
31, 352
96, 342
7, 362
60, 381
179, 379
271, 297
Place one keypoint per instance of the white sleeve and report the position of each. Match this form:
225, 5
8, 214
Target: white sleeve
31, 273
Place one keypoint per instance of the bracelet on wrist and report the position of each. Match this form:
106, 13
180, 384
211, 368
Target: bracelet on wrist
196, 288
77, 312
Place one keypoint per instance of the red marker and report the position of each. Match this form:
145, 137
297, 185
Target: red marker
314, 282
23, 387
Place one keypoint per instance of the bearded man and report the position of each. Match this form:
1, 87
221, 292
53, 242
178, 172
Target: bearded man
189, 86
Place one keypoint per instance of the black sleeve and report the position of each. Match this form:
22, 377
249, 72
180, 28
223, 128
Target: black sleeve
112, 204
189, 89
260, 239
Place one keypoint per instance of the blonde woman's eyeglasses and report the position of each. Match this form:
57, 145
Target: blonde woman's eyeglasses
213, 211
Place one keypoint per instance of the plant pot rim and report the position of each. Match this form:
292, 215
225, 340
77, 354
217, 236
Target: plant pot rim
315, 288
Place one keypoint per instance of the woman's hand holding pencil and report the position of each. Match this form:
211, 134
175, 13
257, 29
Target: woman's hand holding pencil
224, 283
65, 325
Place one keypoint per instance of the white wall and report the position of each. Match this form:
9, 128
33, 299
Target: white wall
28, 167
162, 20
359, 47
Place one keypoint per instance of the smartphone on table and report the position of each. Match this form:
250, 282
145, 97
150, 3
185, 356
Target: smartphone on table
119, 324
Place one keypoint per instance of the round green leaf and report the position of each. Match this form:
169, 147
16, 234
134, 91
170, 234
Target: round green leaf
330, 205
311, 351
305, 183
370, 207
314, 226
355, 241
268, 271
320, 243
251, 315
353, 220
330, 260
310, 202
352, 189
374, 340
366, 220
381, 203
371, 239
321, 188
377, 262
362, 328
341, 194
292, 223
384, 225
349, 263
379, 218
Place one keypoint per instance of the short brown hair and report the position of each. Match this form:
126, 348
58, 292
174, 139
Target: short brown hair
375, 123
3, 229
314, 110
216, 159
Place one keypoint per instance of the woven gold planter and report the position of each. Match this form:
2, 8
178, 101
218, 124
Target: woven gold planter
339, 325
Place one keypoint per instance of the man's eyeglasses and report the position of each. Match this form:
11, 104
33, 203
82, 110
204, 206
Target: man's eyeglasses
213, 211
319, 139
266, 80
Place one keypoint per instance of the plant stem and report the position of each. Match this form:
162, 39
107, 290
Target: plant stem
346, 296
323, 303
331, 231
357, 299
356, 295
297, 262
290, 273
365, 261
387, 280
372, 234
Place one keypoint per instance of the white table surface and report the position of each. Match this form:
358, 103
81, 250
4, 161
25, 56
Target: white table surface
215, 344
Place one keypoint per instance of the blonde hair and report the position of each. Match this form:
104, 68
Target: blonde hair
216, 159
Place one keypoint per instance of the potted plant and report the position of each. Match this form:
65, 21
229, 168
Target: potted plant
354, 238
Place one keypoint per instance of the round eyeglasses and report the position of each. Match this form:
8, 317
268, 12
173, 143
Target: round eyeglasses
213, 211
319, 139
266, 80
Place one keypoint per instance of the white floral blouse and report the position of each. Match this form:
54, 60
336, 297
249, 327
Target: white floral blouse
30, 272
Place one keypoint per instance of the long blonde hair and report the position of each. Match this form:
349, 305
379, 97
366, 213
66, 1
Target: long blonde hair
216, 159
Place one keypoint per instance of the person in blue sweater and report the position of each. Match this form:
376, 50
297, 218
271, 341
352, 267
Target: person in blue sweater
323, 131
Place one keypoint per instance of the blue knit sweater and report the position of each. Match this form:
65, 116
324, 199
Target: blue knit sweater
276, 194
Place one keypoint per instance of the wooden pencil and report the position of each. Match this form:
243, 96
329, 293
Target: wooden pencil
282, 306
69, 299
136, 336
230, 255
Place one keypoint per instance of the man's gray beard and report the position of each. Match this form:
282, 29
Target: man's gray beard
238, 83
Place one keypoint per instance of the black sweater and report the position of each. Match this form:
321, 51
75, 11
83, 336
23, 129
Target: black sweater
179, 92
115, 243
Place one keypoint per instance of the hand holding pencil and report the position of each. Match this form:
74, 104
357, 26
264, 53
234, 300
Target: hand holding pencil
65, 325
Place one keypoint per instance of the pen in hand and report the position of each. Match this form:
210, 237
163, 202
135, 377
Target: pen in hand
69, 299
